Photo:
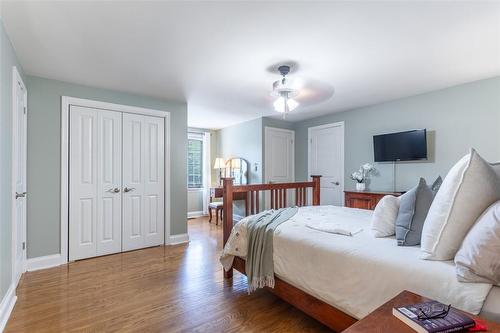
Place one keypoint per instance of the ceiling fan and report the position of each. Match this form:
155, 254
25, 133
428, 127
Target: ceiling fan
284, 93
292, 93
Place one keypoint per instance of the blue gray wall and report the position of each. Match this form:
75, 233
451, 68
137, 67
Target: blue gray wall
8, 59
243, 140
456, 118
44, 142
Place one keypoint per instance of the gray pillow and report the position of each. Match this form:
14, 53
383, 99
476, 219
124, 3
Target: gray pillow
413, 209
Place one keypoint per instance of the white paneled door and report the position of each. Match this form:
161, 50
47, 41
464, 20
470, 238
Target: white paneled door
116, 182
326, 158
109, 178
19, 118
279, 159
95, 182
143, 181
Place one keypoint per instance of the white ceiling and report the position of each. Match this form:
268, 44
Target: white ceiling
217, 55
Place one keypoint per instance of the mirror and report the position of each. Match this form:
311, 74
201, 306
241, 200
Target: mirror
238, 169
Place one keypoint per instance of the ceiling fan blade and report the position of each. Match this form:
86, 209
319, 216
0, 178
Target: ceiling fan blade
313, 92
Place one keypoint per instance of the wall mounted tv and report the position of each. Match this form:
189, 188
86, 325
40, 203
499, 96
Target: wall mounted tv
401, 146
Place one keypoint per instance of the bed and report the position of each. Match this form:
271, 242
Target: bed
348, 277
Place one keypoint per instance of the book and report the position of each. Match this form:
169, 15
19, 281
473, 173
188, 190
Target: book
455, 321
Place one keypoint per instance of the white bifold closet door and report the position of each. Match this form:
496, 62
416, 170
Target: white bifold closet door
116, 180
143, 181
95, 182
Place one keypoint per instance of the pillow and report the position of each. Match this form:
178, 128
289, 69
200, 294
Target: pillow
413, 209
477, 260
384, 216
469, 188
496, 168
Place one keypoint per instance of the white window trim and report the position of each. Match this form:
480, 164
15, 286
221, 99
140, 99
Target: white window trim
66, 102
197, 136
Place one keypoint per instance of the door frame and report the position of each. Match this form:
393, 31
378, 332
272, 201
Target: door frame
16, 77
266, 156
340, 124
66, 103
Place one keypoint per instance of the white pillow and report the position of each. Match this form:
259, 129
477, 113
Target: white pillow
477, 260
384, 217
469, 188
496, 168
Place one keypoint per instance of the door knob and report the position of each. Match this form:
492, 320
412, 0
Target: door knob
336, 183
20, 195
127, 189
114, 190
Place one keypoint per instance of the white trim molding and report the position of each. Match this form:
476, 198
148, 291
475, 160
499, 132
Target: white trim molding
178, 239
66, 102
53, 260
7, 305
195, 214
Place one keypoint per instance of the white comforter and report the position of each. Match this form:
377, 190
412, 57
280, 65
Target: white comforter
356, 274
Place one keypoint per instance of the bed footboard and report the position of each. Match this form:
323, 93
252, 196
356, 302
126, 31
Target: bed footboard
277, 197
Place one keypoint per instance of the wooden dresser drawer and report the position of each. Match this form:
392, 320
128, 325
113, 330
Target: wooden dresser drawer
365, 199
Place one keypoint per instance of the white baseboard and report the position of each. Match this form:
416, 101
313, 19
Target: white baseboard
49, 261
8, 302
178, 239
195, 214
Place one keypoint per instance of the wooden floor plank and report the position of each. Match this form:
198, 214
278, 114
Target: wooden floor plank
161, 289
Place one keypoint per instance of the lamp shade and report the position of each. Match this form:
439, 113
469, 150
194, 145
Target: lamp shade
285, 104
220, 163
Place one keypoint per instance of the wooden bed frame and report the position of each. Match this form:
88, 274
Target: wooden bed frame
319, 310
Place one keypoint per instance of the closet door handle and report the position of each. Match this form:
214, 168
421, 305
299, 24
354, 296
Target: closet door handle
127, 189
114, 190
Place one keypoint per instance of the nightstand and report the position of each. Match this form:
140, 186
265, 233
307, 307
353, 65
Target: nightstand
382, 319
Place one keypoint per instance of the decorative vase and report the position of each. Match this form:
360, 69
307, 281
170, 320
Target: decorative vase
360, 186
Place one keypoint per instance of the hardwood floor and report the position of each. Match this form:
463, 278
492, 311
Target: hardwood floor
161, 289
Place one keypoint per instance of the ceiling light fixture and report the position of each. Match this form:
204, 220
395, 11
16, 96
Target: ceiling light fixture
284, 92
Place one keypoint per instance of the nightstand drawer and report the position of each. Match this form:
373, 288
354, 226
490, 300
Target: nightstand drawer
365, 199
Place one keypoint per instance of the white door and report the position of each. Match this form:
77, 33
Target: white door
143, 181
94, 182
19, 175
109, 180
279, 159
326, 158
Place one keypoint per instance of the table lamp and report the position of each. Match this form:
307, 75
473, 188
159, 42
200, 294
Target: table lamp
220, 164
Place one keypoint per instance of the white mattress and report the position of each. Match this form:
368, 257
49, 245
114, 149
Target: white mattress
359, 273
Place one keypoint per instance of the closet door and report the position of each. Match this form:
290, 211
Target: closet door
109, 178
95, 182
143, 181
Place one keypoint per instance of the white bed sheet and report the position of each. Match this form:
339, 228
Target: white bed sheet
357, 274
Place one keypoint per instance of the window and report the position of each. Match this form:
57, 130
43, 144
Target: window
195, 162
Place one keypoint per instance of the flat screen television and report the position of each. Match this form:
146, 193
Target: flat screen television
401, 146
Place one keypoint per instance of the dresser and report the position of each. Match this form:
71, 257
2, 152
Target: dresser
366, 199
